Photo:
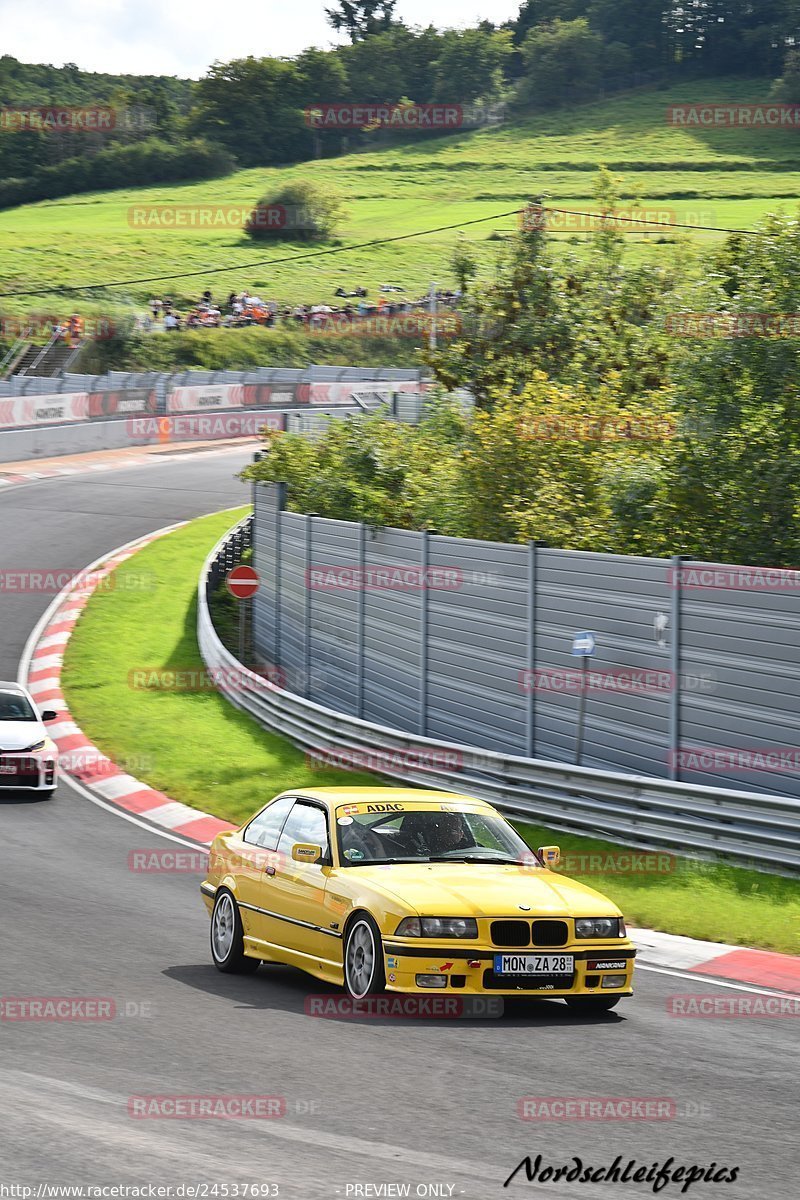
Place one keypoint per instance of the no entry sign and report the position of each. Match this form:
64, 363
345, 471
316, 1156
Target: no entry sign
242, 582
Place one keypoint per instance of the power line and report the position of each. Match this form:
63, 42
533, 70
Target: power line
264, 262
402, 237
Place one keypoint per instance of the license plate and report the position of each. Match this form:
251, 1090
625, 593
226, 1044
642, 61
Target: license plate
7, 769
534, 964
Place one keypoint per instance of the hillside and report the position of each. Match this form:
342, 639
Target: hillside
726, 177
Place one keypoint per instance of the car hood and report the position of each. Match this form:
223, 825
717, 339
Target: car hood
486, 890
18, 735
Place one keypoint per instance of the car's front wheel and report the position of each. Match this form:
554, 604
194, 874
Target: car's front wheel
227, 938
363, 958
593, 1004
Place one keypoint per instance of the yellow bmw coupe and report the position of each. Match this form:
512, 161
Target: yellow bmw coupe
394, 889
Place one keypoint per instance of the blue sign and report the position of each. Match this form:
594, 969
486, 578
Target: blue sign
583, 645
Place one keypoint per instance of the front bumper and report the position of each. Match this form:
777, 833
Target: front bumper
471, 971
31, 772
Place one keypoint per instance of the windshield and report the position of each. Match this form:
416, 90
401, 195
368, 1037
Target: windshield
14, 707
428, 835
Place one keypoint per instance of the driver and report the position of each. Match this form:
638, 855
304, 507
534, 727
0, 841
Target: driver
439, 832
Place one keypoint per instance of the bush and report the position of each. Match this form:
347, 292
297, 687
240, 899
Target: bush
297, 211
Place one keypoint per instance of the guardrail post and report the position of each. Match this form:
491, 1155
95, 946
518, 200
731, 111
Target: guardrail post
361, 632
676, 612
425, 555
307, 609
530, 697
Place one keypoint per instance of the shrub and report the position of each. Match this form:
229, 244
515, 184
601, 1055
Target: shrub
297, 211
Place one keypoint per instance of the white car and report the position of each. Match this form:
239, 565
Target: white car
28, 755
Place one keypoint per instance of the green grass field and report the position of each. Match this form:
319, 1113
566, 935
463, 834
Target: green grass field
197, 748
726, 177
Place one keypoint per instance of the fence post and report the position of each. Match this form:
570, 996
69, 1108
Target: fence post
425, 553
676, 612
307, 611
361, 617
530, 698
280, 500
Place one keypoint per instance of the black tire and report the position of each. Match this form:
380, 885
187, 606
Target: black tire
48, 795
363, 958
227, 937
593, 1004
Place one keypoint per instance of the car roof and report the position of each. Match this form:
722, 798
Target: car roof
12, 689
355, 795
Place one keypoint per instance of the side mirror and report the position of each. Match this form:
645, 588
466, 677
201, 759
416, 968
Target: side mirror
49, 715
550, 855
306, 852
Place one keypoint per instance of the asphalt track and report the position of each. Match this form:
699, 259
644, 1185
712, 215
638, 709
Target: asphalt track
427, 1103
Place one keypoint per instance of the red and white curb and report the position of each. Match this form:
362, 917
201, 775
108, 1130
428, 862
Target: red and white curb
79, 758
717, 961
101, 780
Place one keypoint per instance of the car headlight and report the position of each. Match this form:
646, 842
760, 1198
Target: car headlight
438, 927
38, 746
599, 927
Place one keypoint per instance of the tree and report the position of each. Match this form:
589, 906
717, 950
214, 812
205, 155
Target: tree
360, 19
471, 64
563, 61
734, 490
253, 107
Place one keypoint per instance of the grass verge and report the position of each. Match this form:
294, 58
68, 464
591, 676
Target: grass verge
192, 745
197, 748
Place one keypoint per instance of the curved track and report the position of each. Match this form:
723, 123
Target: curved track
368, 1102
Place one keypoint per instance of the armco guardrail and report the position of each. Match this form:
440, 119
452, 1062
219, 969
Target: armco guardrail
636, 809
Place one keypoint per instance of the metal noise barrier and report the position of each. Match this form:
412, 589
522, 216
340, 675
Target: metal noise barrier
747, 827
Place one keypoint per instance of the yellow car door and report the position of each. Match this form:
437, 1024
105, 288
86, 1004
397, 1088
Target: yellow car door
252, 858
295, 894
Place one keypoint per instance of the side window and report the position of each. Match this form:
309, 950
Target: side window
306, 823
264, 830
